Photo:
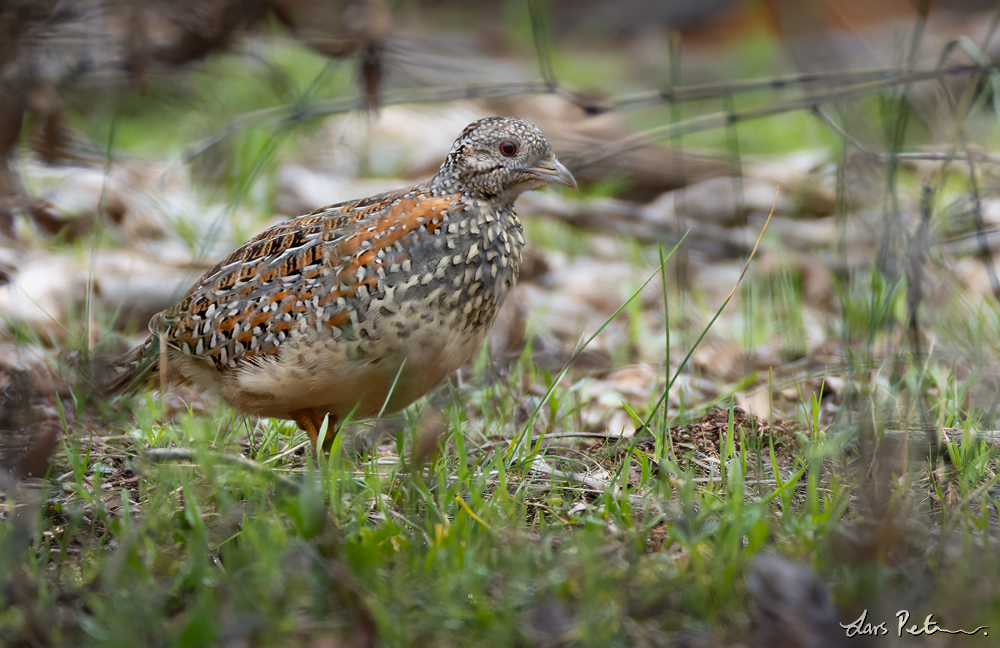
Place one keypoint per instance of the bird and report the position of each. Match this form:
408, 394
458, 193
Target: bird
361, 307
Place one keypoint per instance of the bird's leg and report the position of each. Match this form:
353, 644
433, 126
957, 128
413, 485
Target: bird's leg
311, 422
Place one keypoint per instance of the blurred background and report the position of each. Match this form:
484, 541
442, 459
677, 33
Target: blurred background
142, 140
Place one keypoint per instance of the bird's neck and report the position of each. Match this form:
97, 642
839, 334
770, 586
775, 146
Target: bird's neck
499, 237
452, 184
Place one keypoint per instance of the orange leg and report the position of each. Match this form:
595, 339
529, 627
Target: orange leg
311, 422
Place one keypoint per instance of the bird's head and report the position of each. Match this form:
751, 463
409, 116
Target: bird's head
500, 157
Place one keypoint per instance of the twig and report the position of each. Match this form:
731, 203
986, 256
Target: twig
284, 453
184, 454
724, 118
937, 439
887, 76
542, 466
858, 83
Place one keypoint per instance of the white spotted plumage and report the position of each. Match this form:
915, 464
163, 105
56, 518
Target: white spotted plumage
324, 313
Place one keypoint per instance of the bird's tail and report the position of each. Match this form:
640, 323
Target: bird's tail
129, 371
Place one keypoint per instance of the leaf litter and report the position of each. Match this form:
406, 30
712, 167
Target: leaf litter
588, 256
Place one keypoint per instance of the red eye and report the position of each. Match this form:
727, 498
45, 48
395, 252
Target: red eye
508, 148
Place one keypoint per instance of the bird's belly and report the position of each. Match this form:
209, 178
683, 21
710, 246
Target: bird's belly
340, 377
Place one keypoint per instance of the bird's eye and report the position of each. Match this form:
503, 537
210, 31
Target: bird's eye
508, 148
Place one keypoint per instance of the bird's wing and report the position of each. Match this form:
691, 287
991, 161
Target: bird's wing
306, 272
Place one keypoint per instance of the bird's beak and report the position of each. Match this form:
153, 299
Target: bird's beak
551, 170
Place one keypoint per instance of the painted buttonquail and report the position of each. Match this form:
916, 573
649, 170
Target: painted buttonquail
362, 306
